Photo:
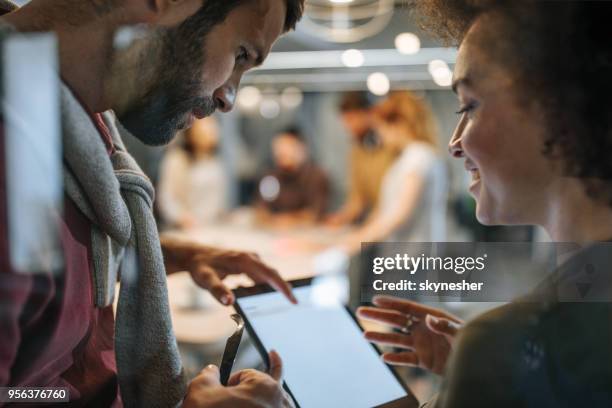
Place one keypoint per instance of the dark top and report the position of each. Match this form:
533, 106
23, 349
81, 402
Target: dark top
51, 335
552, 348
304, 189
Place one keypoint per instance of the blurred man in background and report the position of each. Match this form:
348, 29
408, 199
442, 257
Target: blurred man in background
296, 191
185, 60
369, 160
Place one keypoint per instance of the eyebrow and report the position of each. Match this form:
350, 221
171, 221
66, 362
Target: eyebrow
465, 81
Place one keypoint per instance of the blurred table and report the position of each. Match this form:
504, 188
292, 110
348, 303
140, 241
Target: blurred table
198, 318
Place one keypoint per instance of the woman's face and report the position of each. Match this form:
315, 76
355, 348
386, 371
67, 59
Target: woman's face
500, 136
392, 135
204, 135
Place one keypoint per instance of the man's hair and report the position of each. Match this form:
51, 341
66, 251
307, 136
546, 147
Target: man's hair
355, 101
221, 8
293, 132
560, 55
295, 10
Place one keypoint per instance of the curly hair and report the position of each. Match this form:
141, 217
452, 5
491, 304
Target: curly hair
560, 54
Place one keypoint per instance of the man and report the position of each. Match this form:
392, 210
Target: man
369, 160
186, 62
296, 191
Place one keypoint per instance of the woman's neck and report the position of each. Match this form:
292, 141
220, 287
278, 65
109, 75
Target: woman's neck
573, 216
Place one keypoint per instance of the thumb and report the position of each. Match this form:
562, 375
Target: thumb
276, 365
208, 376
442, 326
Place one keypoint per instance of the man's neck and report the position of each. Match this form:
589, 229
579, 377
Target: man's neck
85, 50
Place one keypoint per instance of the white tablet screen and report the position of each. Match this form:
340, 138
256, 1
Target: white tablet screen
327, 362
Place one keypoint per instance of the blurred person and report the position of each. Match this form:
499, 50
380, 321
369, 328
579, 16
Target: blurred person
185, 61
193, 187
369, 160
295, 191
412, 202
536, 139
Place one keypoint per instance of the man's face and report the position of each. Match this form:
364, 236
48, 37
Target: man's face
289, 153
500, 137
198, 67
357, 122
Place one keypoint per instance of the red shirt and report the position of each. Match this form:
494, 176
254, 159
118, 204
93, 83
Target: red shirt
50, 332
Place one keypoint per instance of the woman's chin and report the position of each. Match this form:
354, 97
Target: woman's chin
484, 213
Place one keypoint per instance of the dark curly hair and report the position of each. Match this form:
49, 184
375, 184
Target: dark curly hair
560, 53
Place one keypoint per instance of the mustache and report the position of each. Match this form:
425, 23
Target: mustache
204, 106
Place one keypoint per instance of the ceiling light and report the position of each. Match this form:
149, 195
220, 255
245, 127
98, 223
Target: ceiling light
249, 97
269, 108
352, 58
407, 43
291, 97
440, 72
378, 83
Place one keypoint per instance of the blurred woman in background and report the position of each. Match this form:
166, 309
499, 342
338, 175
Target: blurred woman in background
193, 183
412, 202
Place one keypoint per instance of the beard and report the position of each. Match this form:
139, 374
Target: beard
179, 57
166, 110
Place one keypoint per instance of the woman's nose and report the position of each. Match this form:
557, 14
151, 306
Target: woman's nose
454, 146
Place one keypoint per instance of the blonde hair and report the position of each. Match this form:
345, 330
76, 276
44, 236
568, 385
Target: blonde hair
402, 108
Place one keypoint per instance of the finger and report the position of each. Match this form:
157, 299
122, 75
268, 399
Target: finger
390, 339
208, 279
208, 376
406, 358
264, 274
390, 317
442, 326
240, 376
276, 365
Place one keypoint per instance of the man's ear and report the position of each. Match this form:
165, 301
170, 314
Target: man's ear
163, 12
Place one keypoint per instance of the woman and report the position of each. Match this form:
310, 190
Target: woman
412, 202
193, 185
535, 133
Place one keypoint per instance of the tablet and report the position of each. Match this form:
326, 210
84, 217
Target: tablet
327, 363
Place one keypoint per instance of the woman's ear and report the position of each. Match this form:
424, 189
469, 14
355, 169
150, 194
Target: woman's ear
164, 12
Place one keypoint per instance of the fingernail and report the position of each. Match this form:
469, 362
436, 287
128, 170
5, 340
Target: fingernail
225, 299
433, 319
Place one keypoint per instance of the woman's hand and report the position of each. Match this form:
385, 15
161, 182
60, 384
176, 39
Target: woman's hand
427, 333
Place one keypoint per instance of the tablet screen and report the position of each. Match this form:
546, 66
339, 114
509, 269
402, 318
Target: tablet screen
327, 362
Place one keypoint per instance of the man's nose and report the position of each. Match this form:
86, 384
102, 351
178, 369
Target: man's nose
225, 97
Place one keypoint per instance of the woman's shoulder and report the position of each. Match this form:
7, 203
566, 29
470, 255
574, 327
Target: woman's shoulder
417, 157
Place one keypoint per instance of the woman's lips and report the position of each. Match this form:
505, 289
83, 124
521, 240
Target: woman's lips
475, 179
475, 174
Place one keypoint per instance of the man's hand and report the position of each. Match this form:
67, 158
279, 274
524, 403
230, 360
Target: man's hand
429, 340
246, 389
209, 266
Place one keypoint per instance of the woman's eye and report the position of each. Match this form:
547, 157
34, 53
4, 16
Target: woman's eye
466, 108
